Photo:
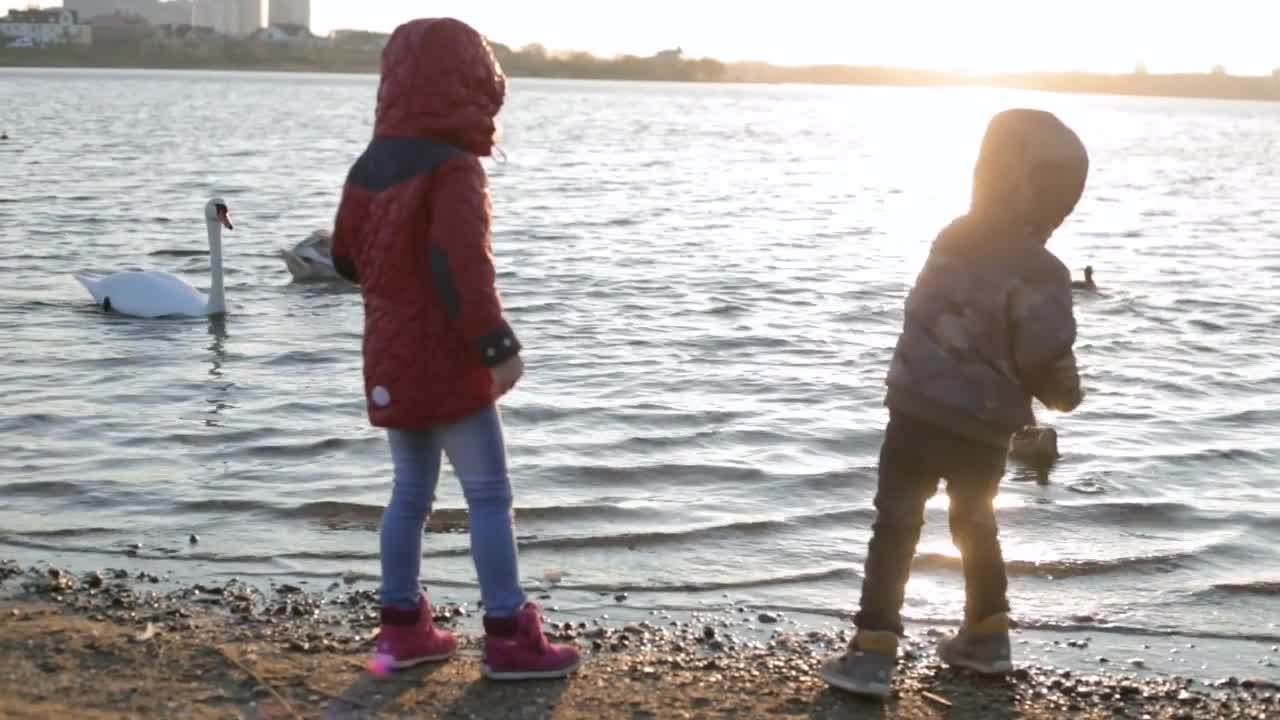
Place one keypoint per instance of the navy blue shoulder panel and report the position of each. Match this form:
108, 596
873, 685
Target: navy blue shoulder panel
389, 161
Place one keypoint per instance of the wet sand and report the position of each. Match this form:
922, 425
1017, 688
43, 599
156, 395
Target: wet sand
107, 645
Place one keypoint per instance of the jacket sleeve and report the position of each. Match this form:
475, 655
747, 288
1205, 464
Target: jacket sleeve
461, 252
1044, 333
345, 229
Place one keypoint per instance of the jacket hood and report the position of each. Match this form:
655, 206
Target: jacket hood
1031, 172
440, 81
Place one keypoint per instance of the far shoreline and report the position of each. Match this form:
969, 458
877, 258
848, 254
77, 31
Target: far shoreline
1184, 87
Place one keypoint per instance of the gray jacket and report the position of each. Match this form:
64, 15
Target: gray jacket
988, 326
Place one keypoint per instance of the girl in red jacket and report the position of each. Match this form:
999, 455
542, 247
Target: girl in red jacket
413, 231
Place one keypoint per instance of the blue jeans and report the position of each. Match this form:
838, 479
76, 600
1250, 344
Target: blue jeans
476, 452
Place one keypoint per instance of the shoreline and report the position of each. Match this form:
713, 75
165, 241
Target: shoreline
1174, 86
120, 641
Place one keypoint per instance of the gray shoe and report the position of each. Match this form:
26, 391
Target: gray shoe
983, 647
861, 670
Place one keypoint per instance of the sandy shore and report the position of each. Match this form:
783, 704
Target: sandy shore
105, 645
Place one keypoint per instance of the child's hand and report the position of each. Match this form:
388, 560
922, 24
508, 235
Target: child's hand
1062, 391
506, 375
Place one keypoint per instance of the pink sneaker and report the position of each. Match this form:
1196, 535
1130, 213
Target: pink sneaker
526, 654
403, 646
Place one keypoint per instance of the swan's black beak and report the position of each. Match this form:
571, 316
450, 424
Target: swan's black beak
224, 216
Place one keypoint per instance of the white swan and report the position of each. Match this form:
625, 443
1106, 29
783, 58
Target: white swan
152, 294
312, 258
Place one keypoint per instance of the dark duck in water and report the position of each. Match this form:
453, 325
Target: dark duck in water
1087, 283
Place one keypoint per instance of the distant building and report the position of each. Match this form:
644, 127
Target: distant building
177, 12
120, 30
292, 35
289, 12
156, 12
238, 18
175, 35
35, 28
359, 39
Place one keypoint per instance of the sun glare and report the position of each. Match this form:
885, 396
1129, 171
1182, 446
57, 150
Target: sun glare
979, 37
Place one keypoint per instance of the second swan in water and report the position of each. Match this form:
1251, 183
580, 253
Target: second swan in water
312, 259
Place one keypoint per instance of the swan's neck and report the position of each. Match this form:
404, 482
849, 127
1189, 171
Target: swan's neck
217, 296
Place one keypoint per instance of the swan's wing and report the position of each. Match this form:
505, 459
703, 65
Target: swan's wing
297, 266
146, 293
313, 255
319, 240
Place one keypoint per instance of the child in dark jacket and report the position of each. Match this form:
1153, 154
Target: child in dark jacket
413, 230
988, 326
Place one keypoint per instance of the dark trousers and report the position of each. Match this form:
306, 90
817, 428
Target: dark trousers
913, 457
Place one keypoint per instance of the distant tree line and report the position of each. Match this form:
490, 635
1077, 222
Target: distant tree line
669, 65
137, 44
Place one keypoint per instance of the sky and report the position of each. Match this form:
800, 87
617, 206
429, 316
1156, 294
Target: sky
965, 35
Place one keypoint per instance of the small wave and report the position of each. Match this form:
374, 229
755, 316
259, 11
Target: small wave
43, 488
1207, 326
27, 421
672, 473
302, 357
726, 309
41, 258
588, 511
1136, 630
308, 449
1267, 588
26, 541
645, 538
217, 505
171, 553
1113, 514
1185, 303
330, 509
342, 515
337, 515
653, 537
637, 416
542, 306
347, 515
1051, 569
1087, 487
1254, 417
68, 532
180, 253
841, 573
218, 439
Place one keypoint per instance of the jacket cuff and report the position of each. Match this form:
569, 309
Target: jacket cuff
498, 346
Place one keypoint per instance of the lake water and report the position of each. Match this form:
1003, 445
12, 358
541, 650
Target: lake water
709, 280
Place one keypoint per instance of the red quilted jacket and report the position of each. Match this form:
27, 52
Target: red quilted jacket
413, 230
